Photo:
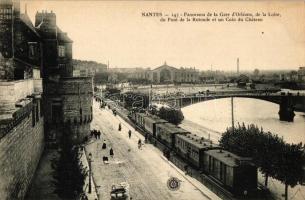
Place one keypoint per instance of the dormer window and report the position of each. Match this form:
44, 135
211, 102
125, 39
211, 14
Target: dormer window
32, 49
61, 51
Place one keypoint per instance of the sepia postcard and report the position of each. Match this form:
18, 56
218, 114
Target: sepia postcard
152, 100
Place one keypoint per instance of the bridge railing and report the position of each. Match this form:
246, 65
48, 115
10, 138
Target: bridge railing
223, 94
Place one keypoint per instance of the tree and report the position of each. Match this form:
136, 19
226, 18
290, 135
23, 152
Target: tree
267, 152
171, 115
291, 160
69, 173
256, 72
141, 81
101, 77
270, 153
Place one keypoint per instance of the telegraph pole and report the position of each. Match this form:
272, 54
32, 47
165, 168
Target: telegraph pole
232, 113
89, 162
237, 66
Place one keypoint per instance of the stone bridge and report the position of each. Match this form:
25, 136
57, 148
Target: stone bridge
288, 102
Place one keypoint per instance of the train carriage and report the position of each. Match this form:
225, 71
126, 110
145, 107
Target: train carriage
140, 119
166, 133
237, 174
191, 147
232, 172
150, 123
132, 116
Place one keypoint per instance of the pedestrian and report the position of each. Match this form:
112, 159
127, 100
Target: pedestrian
104, 145
139, 144
129, 134
186, 169
99, 134
111, 152
120, 126
146, 137
95, 134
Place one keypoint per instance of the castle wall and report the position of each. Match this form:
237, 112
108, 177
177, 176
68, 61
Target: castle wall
20, 149
68, 104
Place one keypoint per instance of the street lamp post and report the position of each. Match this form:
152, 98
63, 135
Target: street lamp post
90, 157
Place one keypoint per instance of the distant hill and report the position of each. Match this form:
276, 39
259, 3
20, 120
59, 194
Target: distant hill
91, 66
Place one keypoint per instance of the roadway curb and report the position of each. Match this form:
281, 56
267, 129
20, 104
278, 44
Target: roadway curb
94, 193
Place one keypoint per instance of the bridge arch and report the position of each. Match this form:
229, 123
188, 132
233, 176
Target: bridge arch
286, 104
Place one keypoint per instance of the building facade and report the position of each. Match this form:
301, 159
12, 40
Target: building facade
301, 74
88, 68
167, 74
39, 98
67, 99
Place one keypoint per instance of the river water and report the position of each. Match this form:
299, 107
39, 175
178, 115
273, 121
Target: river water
213, 117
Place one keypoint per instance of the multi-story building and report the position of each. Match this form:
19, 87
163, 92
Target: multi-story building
301, 74
39, 98
88, 68
168, 74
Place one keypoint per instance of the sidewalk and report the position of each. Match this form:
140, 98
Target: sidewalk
145, 170
94, 194
42, 186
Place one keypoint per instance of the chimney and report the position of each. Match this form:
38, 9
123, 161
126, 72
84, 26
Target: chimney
237, 66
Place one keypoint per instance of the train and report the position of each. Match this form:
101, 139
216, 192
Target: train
236, 174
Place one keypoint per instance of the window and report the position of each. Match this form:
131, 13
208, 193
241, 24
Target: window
32, 49
61, 51
19, 37
6, 13
229, 176
62, 66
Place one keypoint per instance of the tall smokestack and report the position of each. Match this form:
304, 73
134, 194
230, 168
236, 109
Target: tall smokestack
237, 66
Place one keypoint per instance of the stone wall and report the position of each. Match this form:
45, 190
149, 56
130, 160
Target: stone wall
72, 98
20, 152
12, 91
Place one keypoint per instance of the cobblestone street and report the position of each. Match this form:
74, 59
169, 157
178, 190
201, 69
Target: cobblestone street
145, 170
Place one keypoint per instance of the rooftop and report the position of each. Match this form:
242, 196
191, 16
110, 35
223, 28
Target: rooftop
27, 21
227, 157
171, 128
63, 36
155, 118
199, 142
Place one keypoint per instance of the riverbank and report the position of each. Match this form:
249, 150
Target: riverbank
277, 188
215, 116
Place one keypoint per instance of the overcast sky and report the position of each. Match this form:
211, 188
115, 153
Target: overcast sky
116, 31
